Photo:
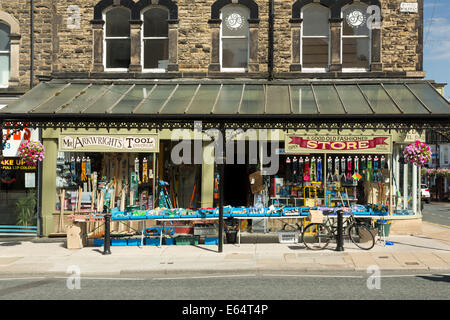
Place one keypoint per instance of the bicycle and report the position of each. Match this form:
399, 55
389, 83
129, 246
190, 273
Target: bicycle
317, 236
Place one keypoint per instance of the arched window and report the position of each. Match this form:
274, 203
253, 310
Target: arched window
155, 39
5, 54
315, 37
117, 38
234, 38
356, 37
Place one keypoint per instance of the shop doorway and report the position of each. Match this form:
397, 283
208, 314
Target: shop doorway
236, 185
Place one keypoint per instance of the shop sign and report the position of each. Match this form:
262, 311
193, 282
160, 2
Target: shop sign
337, 144
413, 135
108, 143
15, 164
411, 7
11, 146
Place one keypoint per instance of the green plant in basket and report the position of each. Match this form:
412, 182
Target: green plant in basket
26, 209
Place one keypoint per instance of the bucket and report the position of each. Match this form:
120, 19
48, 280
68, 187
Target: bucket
231, 236
383, 228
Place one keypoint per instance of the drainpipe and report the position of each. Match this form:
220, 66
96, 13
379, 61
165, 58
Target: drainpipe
31, 43
271, 41
39, 167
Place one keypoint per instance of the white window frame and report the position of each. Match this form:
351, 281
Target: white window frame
318, 70
342, 37
7, 52
155, 70
223, 69
112, 38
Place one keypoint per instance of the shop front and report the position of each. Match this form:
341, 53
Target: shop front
18, 183
135, 150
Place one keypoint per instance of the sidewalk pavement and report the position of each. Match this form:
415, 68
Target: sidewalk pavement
427, 252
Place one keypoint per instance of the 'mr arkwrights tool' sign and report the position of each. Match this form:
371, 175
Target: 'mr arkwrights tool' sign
337, 144
108, 143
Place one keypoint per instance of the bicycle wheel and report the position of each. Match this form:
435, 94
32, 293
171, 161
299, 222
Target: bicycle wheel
316, 236
361, 236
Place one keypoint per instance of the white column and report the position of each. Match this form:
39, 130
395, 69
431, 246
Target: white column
405, 186
396, 167
414, 188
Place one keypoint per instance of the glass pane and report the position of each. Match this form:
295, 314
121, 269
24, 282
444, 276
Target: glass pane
106, 101
315, 20
204, 100
118, 22
253, 100
4, 37
278, 100
235, 53
404, 98
155, 23
156, 54
34, 97
156, 100
379, 100
85, 98
132, 99
59, 100
229, 99
355, 20
433, 100
303, 100
117, 53
4, 69
328, 100
315, 53
234, 20
180, 99
353, 99
355, 53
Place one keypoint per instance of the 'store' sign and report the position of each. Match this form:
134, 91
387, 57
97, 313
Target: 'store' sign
337, 144
108, 143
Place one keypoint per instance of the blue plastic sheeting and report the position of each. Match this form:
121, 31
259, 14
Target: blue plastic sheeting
251, 212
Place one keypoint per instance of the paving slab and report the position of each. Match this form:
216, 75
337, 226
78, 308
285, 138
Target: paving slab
8, 260
386, 261
362, 260
409, 260
431, 260
240, 256
443, 255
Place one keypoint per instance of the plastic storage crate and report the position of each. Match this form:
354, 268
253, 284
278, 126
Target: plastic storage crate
134, 242
288, 236
152, 241
187, 240
99, 242
169, 241
212, 241
119, 242
204, 230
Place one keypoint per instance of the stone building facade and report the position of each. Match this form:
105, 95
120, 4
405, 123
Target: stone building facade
68, 39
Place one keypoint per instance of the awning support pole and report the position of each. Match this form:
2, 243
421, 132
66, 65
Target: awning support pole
221, 181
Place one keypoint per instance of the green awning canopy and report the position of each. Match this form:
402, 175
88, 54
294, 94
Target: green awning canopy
71, 100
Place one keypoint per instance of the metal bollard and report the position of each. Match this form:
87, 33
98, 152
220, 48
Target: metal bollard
340, 231
107, 244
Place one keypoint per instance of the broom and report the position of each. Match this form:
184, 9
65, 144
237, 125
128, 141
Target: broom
60, 232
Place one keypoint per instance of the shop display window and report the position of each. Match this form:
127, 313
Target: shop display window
92, 181
310, 180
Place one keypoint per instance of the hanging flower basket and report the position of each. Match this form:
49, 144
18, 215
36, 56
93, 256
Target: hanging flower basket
418, 153
31, 152
437, 172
